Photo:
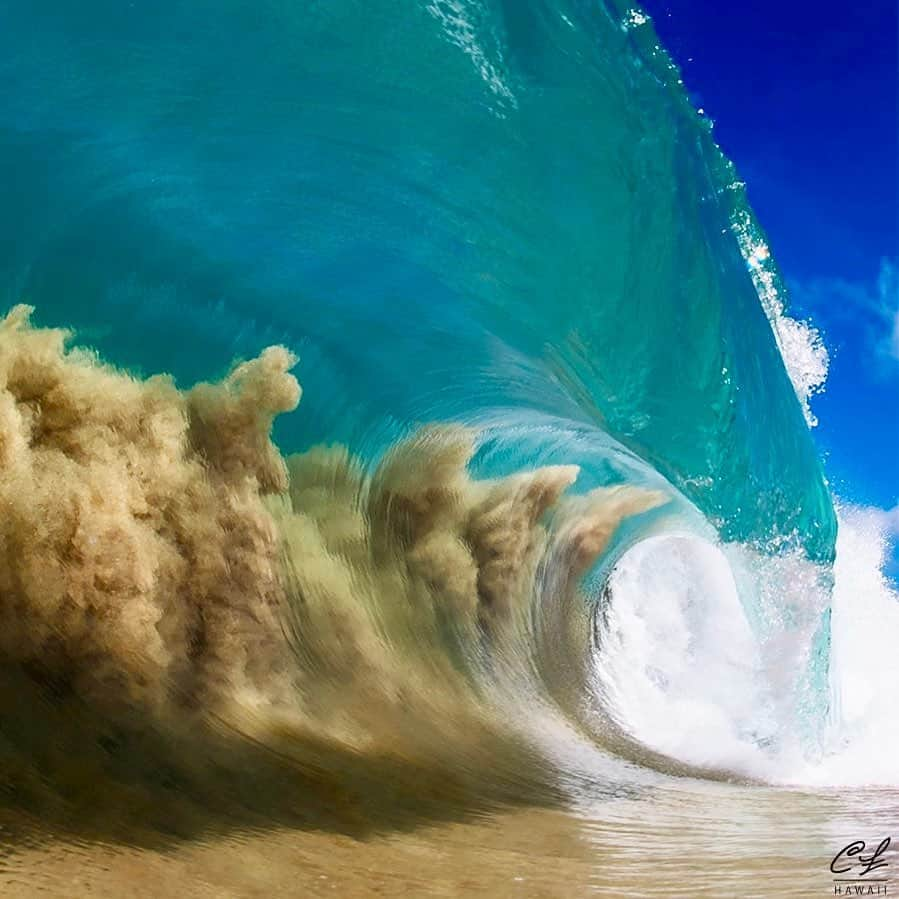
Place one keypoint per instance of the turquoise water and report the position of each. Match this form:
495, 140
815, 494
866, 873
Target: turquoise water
503, 213
501, 255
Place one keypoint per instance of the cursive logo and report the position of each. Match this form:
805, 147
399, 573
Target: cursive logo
854, 860
858, 870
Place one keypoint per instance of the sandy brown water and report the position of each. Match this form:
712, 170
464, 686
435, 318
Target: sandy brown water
226, 673
689, 839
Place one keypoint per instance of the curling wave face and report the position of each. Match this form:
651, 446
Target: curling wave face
551, 486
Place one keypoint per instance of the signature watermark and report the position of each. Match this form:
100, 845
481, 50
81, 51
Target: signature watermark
860, 869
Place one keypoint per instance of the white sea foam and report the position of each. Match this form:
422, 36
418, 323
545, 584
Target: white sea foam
678, 664
864, 658
706, 655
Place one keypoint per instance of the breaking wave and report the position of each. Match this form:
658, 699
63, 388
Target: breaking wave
549, 517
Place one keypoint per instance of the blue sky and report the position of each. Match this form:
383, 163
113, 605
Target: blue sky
804, 99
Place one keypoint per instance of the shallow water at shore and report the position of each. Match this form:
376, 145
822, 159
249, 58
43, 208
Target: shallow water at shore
684, 840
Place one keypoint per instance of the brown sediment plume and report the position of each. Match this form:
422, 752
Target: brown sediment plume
138, 563
159, 556
399, 581
154, 541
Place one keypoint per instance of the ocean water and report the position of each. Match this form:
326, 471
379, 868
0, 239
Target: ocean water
408, 466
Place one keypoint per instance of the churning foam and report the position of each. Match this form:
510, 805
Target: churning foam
678, 663
691, 671
864, 657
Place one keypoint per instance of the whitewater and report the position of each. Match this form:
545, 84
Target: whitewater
407, 471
